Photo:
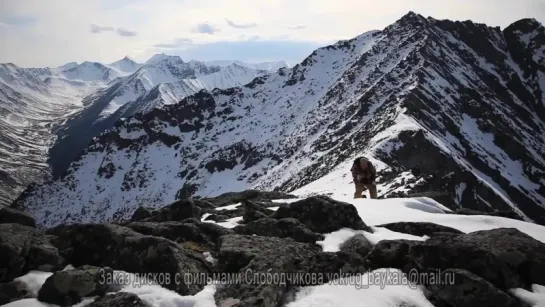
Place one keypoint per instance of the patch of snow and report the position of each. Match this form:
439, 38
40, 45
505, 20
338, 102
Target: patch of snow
536, 298
208, 257
333, 241
273, 208
34, 280
371, 289
229, 207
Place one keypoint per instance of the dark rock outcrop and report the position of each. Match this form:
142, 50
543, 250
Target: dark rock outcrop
254, 258
24, 248
357, 244
10, 215
419, 228
13, 291
121, 248
120, 299
281, 228
141, 213
253, 211
66, 288
190, 230
505, 257
460, 288
322, 214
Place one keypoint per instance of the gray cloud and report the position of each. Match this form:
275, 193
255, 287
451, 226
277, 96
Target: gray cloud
125, 32
206, 28
99, 29
241, 26
297, 27
179, 42
17, 20
121, 31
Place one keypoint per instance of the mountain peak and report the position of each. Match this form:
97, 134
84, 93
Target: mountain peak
160, 57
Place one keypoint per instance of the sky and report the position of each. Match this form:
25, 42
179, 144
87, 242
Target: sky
40, 33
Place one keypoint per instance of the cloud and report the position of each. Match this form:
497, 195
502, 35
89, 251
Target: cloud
18, 20
121, 31
177, 44
241, 26
297, 27
125, 32
206, 28
99, 29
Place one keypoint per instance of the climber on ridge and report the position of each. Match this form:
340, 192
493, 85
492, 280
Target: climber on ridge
364, 175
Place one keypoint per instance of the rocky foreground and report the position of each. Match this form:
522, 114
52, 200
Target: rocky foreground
177, 242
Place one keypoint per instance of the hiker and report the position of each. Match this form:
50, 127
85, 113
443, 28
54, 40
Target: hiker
364, 174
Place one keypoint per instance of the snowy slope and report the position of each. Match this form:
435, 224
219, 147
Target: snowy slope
33, 102
125, 66
29, 110
163, 80
90, 71
440, 105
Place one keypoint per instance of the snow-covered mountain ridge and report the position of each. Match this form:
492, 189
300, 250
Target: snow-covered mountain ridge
163, 80
454, 107
35, 103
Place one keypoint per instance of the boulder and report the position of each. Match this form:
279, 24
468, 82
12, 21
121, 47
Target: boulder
253, 211
148, 254
121, 248
520, 251
264, 257
179, 211
90, 244
141, 213
24, 248
328, 266
505, 257
10, 215
190, 230
322, 214
13, 291
66, 288
460, 288
419, 228
236, 251
120, 299
281, 228
357, 244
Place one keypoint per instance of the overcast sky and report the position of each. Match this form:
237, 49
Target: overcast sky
37, 33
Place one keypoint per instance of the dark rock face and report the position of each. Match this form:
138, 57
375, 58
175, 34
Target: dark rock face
9, 215
334, 265
13, 291
281, 228
322, 214
24, 248
504, 257
120, 299
190, 230
121, 248
253, 211
357, 244
419, 229
465, 289
178, 211
147, 254
140, 214
66, 288
259, 255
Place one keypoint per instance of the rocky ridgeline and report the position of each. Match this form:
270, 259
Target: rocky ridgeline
174, 241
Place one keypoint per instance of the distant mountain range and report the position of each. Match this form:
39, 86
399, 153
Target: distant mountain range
78, 101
